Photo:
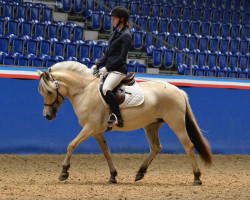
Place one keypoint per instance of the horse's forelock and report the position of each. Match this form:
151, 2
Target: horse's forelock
45, 85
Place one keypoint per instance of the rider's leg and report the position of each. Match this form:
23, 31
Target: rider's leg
112, 80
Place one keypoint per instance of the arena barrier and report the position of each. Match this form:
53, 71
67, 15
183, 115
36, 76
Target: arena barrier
221, 107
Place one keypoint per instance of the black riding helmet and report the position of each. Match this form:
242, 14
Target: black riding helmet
120, 12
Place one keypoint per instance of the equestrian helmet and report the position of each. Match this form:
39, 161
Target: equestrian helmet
120, 12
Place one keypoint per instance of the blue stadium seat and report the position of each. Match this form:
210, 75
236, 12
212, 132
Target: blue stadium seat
52, 31
23, 61
203, 44
205, 28
4, 44
37, 62
225, 30
134, 8
243, 64
236, 17
26, 28
34, 13
39, 29
2, 55
9, 60
218, 4
187, 12
133, 18
135, 64
142, 22
157, 54
215, 29
32, 46
244, 46
192, 43
65, 32
163, 25
138, 40
245, 18
71, 49
198, 3
96, 20
47, 14
84, 61
174, 26
236, 4
222, 62
145, 8
45, 58
97, 51
179, 58
223, 45
2, 27
12, 27
18, 45
58, 48
45, 47
212, 63
156, 10
148, 40
131, 68
199, 69
207, 14
197, 14
161, 36
234, 46
245, 5
184, 27
172, 39
58, 58
235, 31
226, 17
213, 44
112, 4
78, 33
124, 4
8, 10
195, 27
16, 56
182, 42
168, 57
107, 22
50, 62
21, 12
78, 6
227, 4
142, 68
245, 32
177, 11
167, 10
216, 15
84, 51
66, 5
152, 24
233, 65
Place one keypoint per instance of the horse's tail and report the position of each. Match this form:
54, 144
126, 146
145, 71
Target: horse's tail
200, 143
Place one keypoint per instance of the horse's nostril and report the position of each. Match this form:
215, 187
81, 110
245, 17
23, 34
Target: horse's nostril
49, 117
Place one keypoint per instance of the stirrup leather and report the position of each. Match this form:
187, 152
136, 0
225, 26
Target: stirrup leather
113, 120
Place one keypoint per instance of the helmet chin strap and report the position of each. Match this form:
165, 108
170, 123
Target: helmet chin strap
118, 24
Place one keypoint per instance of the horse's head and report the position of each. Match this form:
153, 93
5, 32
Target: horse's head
53, 93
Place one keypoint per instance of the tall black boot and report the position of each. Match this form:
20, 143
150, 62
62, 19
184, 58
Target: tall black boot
114, 107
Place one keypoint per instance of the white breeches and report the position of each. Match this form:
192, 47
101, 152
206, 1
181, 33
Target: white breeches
112, 80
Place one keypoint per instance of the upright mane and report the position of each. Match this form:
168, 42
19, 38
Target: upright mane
72, 66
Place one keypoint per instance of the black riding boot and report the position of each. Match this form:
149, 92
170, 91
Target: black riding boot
114, 107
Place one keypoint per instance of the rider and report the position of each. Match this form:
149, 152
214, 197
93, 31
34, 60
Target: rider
114, 59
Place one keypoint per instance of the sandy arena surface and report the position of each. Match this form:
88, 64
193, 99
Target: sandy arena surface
168, 177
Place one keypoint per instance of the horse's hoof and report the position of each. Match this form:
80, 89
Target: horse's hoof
197, 182
63, 176
139, 176
112, 181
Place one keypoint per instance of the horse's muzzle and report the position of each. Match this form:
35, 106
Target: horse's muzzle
50, 114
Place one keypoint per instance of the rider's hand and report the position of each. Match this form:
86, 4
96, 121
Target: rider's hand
103, 70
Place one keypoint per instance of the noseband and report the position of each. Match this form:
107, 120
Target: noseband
58, 94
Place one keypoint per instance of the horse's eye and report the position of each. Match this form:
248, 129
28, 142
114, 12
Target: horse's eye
49, 92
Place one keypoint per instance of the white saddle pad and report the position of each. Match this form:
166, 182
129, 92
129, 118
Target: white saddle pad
134, 96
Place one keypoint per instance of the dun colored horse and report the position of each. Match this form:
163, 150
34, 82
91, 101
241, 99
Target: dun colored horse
163, 103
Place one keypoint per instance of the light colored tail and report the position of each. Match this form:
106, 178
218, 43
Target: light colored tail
200, 143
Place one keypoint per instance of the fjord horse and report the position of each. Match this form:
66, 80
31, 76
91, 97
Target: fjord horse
163, 103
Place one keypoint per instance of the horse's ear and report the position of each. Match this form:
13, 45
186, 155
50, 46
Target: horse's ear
47, 75
39, 72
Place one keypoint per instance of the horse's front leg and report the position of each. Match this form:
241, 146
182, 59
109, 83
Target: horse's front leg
106, 152
82, 136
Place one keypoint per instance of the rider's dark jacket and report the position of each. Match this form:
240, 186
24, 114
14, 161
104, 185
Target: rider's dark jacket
114, 59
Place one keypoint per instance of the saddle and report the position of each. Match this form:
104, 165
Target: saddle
118, 91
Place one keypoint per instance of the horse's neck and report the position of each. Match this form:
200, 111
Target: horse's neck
74, 82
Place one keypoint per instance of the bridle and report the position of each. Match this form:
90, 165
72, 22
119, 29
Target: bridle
58, 94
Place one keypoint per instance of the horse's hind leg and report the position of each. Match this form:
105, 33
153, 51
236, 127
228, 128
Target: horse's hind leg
180, 130
151, 131
106, 152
